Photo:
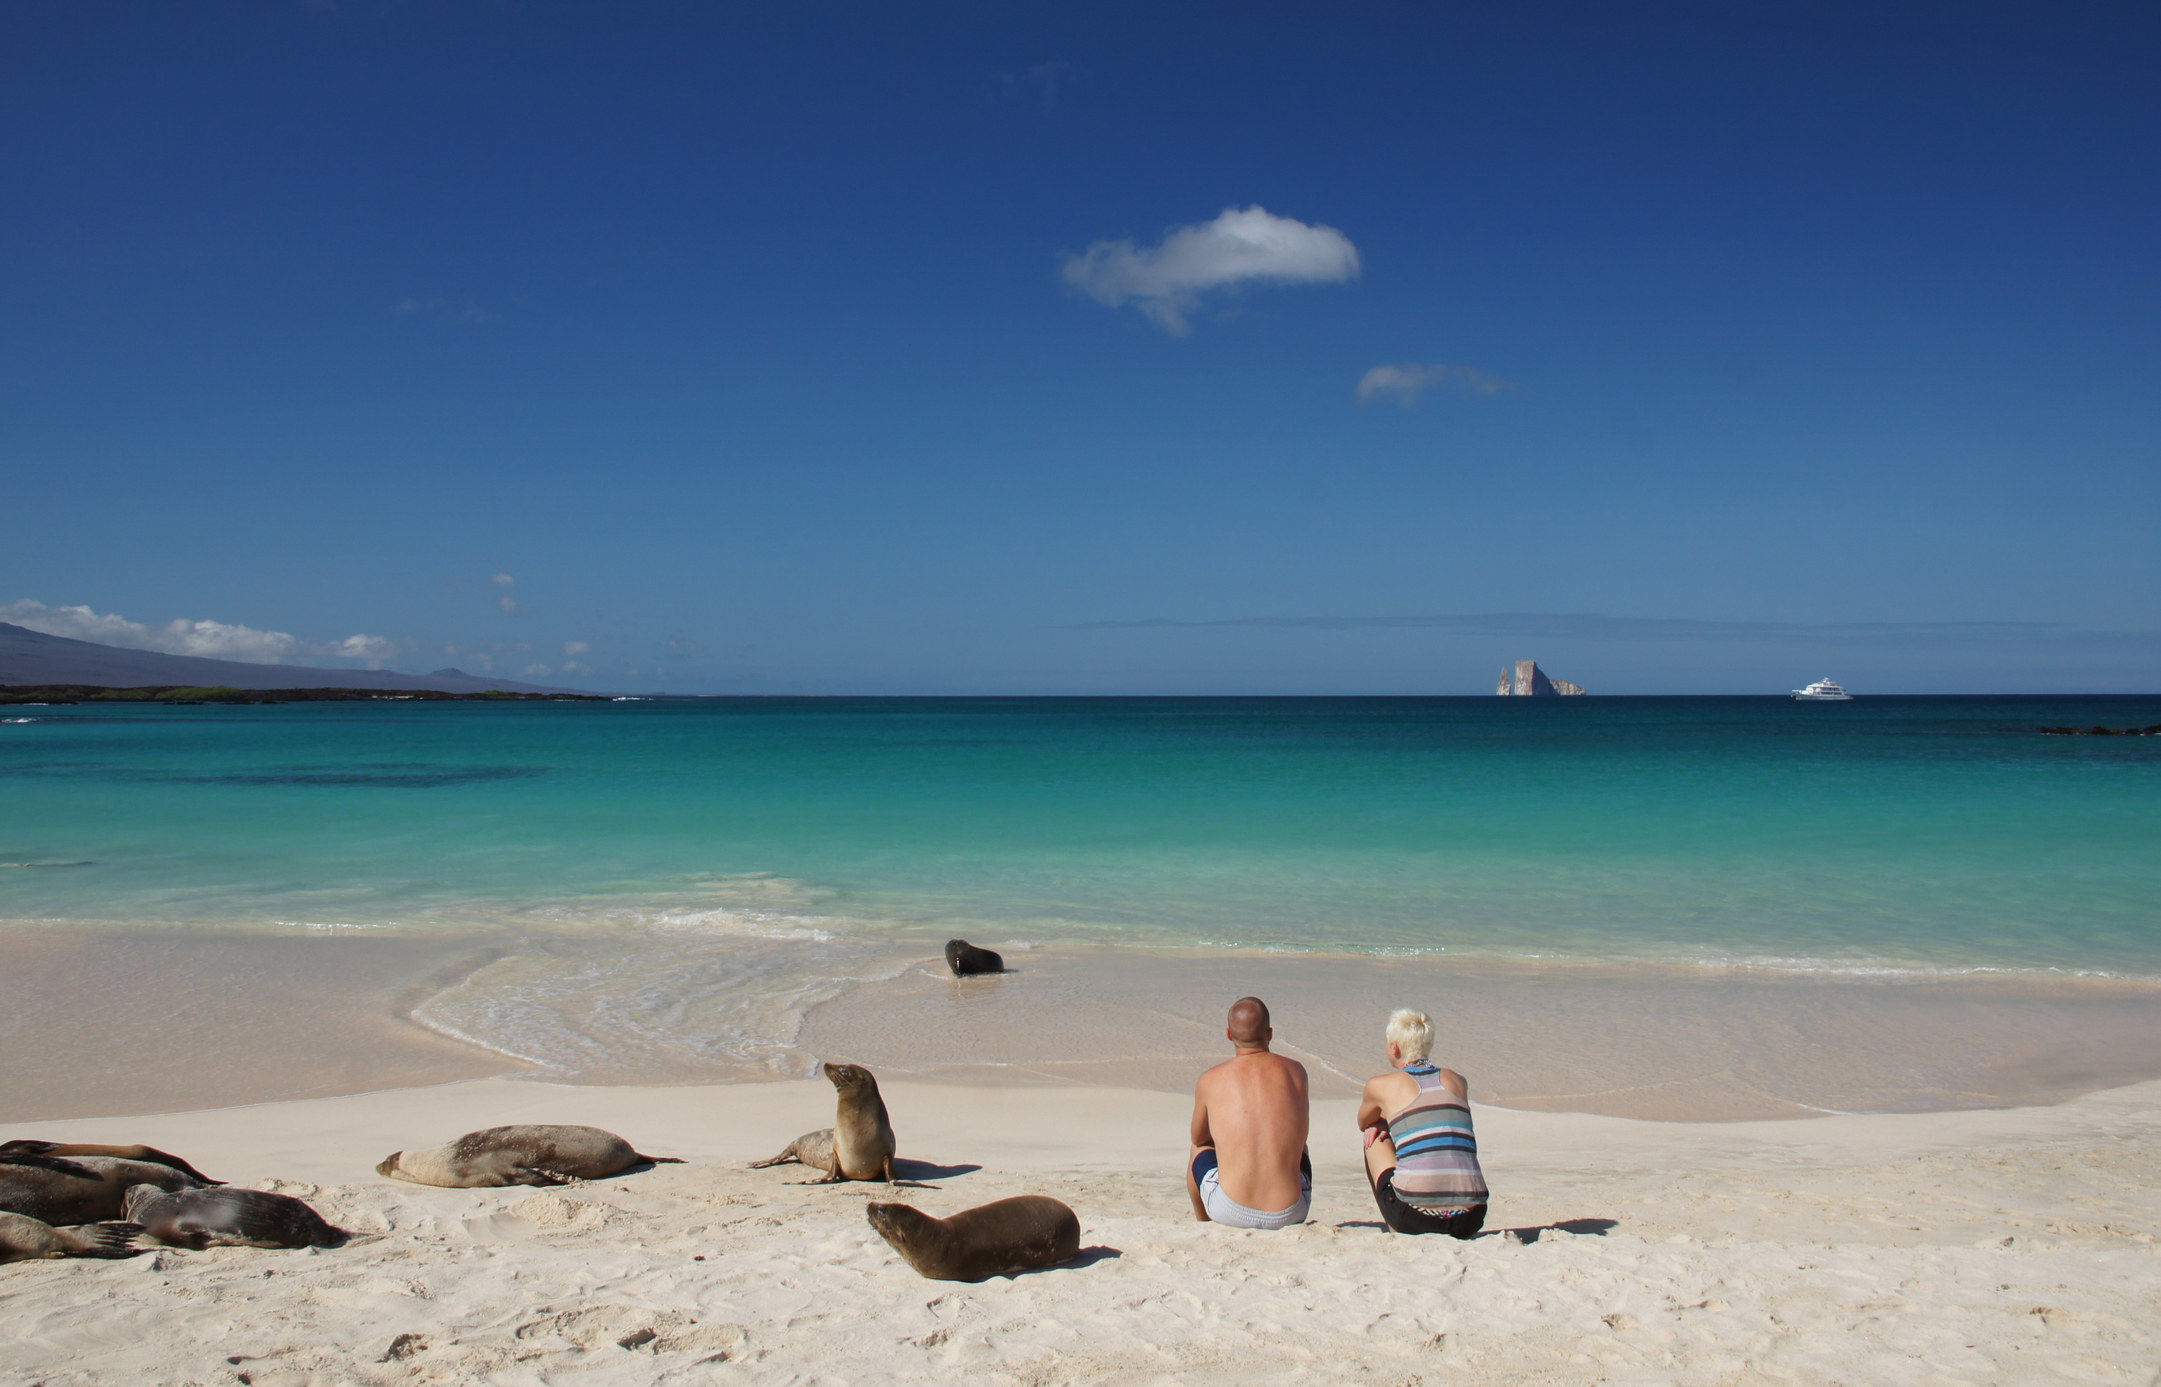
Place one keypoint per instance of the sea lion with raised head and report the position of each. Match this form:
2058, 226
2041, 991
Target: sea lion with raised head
533, 1154
79, 1189
23, 1146
1008, 1235
814, 1149
863, 1143
966, 960
226, 1217
26, 1239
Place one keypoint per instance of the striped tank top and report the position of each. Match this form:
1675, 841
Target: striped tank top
1436, 1151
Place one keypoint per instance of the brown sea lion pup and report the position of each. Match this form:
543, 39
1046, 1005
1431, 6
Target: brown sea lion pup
966, 960
535, 1154
25, 1239
863, 1143
1031, 1230
25, 1147
79, 1189
814, 1149
227, 1217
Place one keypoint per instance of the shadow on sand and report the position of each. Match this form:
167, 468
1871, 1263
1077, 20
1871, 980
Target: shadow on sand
915, 1173
1086, 1257
1581, 1227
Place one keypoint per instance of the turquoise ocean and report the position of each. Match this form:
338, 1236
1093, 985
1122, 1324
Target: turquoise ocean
672, 858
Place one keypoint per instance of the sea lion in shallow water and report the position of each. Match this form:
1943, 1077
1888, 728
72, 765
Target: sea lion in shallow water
23, 1146
814, 1149
863, 1143
79, 1189
534, 1154
24, 1239
966, 960
1008, 1235
227, 1217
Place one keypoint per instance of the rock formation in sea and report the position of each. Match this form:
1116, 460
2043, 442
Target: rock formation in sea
1530, 681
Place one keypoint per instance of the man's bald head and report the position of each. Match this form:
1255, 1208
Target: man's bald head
1249, 1021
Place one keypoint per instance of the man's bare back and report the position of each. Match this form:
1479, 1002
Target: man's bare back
1253, 1110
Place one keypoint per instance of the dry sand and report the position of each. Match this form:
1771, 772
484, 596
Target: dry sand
1984, 1247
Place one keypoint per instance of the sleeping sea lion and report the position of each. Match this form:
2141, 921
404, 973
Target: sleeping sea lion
79, 1189
814, 1149
966, 960
524, 1155
25, 1147
863, 1142
1032, 1230
227, 1217
24, 1239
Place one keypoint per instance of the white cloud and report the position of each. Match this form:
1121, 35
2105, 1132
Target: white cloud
1406, 381
538, 669
215, 639
577, 648
1168, 281
374, 650
502, 580
508, 603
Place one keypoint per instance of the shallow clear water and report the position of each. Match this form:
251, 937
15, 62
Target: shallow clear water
1893, 832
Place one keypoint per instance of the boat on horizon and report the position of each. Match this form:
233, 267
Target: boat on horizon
1824, 691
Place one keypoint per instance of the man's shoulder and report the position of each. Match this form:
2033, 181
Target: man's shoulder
1212, 1073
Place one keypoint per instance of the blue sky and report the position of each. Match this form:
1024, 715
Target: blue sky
857, 349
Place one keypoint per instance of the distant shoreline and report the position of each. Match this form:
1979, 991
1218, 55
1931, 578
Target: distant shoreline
186, 694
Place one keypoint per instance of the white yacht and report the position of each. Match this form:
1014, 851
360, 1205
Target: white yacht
1824, 691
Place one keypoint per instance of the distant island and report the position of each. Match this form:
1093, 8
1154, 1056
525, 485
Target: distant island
39, 660
1529, 681
200, 694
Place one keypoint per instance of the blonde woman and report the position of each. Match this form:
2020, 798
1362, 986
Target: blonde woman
1421, 1154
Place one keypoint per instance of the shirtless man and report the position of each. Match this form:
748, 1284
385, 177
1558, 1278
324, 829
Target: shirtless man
1248, 1167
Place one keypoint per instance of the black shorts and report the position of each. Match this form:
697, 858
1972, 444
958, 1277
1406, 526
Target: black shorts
1406, 1219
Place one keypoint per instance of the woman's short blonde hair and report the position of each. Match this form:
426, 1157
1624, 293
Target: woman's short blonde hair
1411, 1032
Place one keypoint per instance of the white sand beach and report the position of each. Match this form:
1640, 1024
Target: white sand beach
1953, 1247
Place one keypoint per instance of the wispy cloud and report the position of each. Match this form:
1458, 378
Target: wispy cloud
1404, 382
217, 640
1594, 627
372, 651
1169, 281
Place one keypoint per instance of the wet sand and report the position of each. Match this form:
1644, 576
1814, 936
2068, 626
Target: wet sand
149, 1020
1675, 1045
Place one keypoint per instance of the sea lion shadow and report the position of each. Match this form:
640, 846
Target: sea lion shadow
1086, 1257
1580, 1227
907, 1172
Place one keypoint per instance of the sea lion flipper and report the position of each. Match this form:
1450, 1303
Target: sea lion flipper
57, 1164
535, 1175
108, 1240
26, 1146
